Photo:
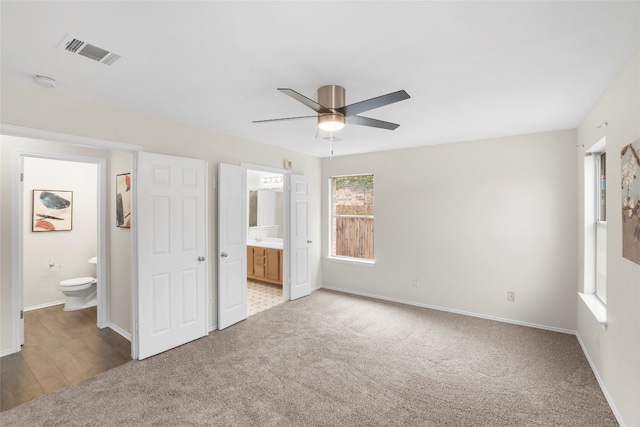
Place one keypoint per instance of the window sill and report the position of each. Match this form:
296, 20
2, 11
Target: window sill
353, 261
597, 308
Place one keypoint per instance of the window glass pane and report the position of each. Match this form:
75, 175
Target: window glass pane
601, 262
352, 216
354, 195
602, 187
601, 227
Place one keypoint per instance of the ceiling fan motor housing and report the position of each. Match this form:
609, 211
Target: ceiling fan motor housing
331, 97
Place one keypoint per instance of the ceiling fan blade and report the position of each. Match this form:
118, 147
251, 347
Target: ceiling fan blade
370, 104
306, 101
284, 118
366, 121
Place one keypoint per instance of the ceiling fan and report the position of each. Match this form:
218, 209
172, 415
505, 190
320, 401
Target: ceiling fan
332, 114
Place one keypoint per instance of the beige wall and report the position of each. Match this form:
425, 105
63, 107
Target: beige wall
471, 221
615, 352
34, 107
119, 292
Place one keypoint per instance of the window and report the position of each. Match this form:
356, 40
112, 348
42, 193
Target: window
601, 225
594, 290
352, 217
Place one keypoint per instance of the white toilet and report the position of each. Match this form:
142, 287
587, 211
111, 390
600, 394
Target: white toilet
81, 292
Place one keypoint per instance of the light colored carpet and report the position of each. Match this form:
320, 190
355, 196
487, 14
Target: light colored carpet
332, 359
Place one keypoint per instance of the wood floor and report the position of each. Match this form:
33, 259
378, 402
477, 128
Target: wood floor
61, 348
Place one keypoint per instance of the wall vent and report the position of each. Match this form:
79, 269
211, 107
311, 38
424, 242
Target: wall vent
78, 46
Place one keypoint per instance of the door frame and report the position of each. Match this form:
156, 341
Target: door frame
286, 273
17, 216
18, 230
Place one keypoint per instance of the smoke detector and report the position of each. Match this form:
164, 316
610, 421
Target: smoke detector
44, 81
77, 46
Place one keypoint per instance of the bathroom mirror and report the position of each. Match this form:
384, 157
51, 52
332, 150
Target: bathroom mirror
263, 208
253, 208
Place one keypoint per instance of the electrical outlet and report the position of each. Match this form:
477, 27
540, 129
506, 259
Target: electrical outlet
511, 296
416, 282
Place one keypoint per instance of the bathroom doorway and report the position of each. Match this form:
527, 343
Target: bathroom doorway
234, 244
265, 239
54, 250
56, 344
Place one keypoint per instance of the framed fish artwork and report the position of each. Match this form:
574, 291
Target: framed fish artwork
123, 200
52, 210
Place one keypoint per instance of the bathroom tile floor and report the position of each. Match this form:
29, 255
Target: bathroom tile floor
61, 348
261, 296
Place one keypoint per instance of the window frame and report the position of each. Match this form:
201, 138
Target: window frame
593, 216
332, 216
600, 216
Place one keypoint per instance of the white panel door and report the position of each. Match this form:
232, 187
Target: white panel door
171, 227
299, 235
232, 244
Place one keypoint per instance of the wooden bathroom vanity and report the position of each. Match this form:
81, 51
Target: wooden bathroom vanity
264, 264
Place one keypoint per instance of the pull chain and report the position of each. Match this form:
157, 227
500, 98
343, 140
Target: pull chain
330, 145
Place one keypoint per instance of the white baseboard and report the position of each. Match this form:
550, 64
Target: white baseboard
607, 396
120, 331
45, 305
452, 310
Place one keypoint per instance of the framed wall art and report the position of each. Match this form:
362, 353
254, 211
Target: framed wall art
123, 200
630, 161
52, 210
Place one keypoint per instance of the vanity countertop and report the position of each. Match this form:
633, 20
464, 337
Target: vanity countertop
266, 243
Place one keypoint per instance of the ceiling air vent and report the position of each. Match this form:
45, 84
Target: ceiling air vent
77, 46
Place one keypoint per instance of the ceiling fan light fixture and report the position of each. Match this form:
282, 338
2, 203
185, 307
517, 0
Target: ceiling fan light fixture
331, 122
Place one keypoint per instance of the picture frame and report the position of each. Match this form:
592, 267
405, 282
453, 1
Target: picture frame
630, 163
52, 210
123, 200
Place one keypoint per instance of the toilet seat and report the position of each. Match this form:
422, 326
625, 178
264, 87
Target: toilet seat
78, 283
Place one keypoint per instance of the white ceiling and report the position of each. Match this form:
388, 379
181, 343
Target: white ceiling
473, 69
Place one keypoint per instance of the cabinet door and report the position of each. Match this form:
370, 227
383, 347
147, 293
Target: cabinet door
258, 263
250, 272
272, 269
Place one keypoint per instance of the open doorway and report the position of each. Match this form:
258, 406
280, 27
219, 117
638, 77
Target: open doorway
60, 238
233, 242
265, 240
60, 288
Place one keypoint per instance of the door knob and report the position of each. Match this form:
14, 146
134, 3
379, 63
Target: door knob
200, 258
224, 254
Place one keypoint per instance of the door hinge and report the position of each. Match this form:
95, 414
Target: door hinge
21, 177
21, 314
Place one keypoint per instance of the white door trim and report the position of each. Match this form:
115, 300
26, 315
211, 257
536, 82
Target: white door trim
18, 233
85, 141
17, 210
